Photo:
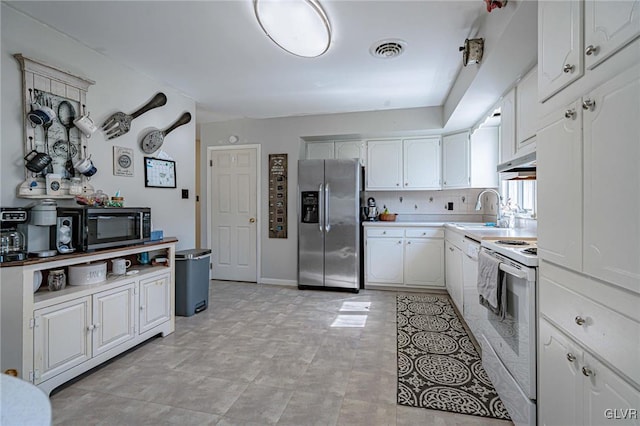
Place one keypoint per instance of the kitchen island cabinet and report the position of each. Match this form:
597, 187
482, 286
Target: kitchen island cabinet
50, 337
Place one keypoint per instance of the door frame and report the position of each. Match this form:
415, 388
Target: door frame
258, 151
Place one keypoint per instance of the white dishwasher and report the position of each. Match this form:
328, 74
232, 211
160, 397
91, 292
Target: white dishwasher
472, 311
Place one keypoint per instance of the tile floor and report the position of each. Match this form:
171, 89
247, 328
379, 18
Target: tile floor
259, 355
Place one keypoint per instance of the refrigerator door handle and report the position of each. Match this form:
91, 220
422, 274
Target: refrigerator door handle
321, 207
327, 219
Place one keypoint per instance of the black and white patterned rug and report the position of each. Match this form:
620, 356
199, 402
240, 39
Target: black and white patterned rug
438, 366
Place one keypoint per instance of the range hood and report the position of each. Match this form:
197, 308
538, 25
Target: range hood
521, 168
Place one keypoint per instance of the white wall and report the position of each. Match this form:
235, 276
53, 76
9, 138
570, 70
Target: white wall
283, 135
117, 88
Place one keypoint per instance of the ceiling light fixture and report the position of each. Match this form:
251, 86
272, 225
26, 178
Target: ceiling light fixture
300, 27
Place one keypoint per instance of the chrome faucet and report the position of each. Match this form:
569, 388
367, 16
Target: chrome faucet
499, 198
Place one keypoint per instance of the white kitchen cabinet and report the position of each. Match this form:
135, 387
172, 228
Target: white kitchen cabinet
455, 161
424, 262
385, 260
526, 112
61, 338
349, 149
384, 164
575, 388
155, 299
340, 150
483, 148
559, 378
70, 333
609, 26
50, 337
113, 318
404, 257
611, 126
559, 154
399, 164
560, 51
421, 163
320, 150
453, 273
508, 126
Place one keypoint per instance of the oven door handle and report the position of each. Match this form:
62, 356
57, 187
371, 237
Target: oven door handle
513, 271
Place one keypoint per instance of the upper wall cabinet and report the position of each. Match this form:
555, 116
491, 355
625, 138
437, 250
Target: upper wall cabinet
563, 51
519, 118
560, 56
455, 161
54, 140
338, 150
403, 164
470, 161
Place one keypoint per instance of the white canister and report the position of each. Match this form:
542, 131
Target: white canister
44, 213
87, 274
54, 184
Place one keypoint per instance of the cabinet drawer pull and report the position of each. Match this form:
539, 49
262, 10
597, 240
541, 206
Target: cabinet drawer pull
591, 50
588, 104
587, 371
579, 320
570, 113
571, 357
568, 68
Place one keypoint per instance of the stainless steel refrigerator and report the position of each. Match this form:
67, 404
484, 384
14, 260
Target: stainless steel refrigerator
329, 224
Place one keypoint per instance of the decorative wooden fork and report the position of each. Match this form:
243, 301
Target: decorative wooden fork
119, 123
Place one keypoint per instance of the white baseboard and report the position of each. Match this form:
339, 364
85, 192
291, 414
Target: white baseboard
275, 281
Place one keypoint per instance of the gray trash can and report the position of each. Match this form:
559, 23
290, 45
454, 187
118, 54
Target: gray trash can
192, 281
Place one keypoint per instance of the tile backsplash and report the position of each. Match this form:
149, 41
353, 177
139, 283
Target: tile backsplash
433, 202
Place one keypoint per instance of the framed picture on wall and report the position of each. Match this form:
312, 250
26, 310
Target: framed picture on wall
159, 173
122, 161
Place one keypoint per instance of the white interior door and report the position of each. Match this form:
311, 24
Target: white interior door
233, 192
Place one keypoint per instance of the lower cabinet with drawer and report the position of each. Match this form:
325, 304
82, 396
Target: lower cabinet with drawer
588, 346
404, 257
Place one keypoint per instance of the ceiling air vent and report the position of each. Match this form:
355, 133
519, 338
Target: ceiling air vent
387, 49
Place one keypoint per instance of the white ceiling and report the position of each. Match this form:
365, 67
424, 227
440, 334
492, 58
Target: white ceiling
216, 53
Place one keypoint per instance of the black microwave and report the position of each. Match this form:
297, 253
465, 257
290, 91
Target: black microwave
94, 228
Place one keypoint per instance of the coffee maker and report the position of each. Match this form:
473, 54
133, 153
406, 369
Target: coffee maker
13, 242
370, 211
42, 228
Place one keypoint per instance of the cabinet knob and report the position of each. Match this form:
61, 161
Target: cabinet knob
90, 328
384, 232
406, 184
450, 248
591, 50
408, 242
587, 371
588, 104
580, 320
568, 68
252, 220
571, 357
570, 113
397, 184
399, 242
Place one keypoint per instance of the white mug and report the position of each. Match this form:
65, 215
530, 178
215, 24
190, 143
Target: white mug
120, 266
86, 125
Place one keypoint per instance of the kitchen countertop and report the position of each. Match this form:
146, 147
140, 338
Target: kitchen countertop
475, 230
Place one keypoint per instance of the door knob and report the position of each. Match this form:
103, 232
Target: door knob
252, 220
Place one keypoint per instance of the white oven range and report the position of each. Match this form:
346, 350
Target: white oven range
509, 345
